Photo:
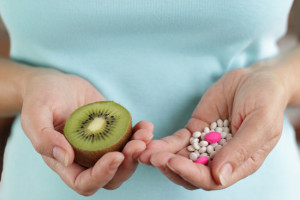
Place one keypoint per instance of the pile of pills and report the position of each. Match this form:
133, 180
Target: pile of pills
203, 146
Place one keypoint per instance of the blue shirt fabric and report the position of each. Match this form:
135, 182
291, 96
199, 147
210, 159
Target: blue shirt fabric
156, 58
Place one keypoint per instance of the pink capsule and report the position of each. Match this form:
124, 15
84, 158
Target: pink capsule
202, 160
213, 137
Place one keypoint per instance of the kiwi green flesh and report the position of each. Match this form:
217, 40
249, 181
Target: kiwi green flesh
97, 126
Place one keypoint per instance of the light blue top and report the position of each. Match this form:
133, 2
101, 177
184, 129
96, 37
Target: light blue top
156, 58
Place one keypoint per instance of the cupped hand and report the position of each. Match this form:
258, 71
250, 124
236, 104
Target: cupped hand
254, 100
49, 98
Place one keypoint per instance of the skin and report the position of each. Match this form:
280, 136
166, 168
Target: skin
254, 100
242, 95
45, 98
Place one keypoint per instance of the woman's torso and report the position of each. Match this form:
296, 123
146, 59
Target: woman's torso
156, 58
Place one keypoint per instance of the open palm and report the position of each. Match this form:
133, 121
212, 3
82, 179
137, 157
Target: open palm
49, 98
242, 96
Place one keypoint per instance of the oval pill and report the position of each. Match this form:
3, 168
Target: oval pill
213, 126
190, 148
214, 144
195, 141
213, 137
202, 160
222, 141
197, 134
229, 137
220, 123
196, 146
203, 143
226, 123
202, 150
212, 154
210, 149
226, 129
206, 130
218, 147
223, 134
193, 156
203, 154
219, 129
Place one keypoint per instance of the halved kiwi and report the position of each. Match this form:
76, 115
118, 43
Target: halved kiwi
97, 128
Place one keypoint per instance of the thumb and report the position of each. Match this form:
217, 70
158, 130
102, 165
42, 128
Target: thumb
246, 151
37, 123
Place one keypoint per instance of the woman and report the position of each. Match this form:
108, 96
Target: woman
158, 59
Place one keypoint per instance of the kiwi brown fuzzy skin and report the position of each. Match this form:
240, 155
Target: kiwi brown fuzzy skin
89, 158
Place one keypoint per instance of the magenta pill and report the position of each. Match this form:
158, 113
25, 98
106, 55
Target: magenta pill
213, 137
202, 160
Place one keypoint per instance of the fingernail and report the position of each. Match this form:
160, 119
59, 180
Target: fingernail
61, 155
116, 163
170, 167
225, 174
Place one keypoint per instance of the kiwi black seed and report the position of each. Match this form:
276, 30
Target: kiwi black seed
97, 128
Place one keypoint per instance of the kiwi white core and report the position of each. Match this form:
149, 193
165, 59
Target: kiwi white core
97, 125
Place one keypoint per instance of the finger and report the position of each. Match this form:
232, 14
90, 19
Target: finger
143, 125
253, 139
195, 174
131, 151
160, 161
145, 135
37, 123
213, 105
87, 181
172, 144
194, 125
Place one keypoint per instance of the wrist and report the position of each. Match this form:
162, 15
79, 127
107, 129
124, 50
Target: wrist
32, 77
288, 69
14, 81
275, 73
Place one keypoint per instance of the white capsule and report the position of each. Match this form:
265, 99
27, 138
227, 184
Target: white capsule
228, 136
190, 148
226, 123
219, 129
218, 147
203, 143
213, 126
209, 149
203, 154
196, 146
197, 134
221, 142
220, 123
223, 135
197, 152
196, 140
192, 139
214, 144
206, 130
212, 154
226, 129
193, 156
203, 136
202, 150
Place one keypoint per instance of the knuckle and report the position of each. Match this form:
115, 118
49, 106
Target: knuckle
38, 146
240, 71
241, 155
